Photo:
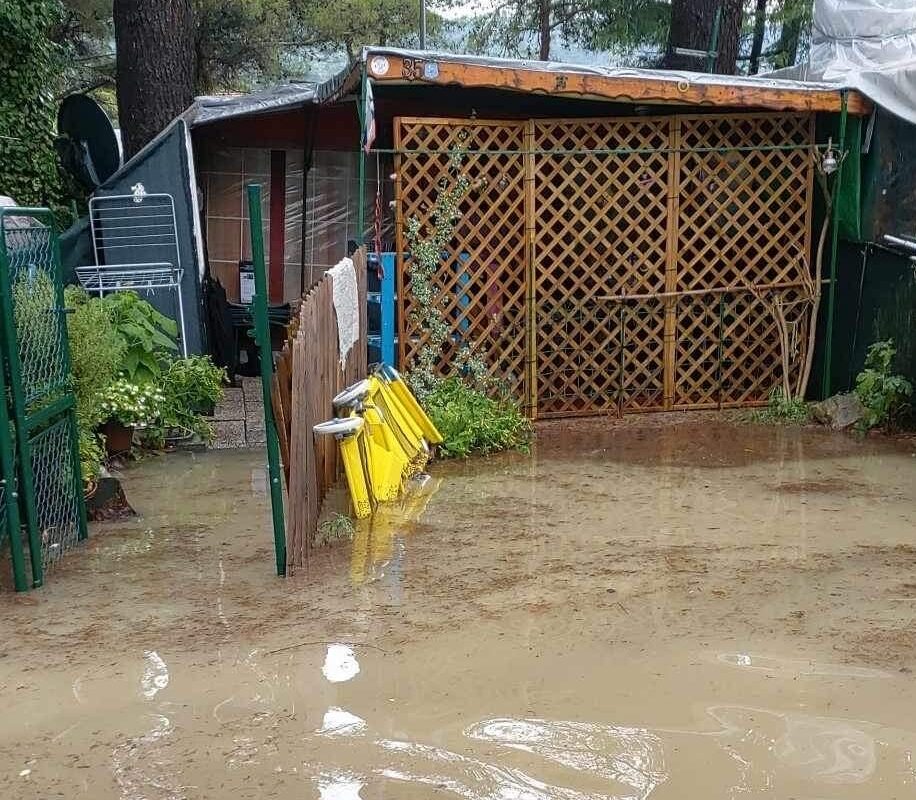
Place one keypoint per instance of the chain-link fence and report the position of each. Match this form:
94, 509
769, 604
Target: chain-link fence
39, 451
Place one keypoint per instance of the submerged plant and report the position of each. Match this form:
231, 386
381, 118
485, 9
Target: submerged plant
884, 394
782, 409
471, 422
335, 528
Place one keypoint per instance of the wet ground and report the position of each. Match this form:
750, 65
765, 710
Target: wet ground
678, 609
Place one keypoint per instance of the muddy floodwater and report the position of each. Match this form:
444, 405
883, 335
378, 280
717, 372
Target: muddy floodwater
676, 610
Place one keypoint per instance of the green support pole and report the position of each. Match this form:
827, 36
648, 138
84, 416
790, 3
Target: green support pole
24, 451
8, 464
262, 335
712, 52
361, 178
827, 384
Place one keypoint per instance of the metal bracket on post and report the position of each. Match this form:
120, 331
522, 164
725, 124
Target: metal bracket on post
262, 337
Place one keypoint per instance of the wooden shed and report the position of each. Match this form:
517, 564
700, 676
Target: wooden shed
636, 240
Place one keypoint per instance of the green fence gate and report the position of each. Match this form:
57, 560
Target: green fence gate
42, 491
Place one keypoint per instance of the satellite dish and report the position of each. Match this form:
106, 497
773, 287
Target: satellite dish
87, 143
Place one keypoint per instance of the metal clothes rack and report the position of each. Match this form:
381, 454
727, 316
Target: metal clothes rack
128, 226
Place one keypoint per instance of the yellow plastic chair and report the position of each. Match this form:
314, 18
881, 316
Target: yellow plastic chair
349, 431
392, 378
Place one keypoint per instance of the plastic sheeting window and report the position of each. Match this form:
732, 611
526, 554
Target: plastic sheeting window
332, 209
224, 174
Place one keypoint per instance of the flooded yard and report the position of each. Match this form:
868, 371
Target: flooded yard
680, 608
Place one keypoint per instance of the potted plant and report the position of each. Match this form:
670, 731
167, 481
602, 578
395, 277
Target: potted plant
126, 406
192, 387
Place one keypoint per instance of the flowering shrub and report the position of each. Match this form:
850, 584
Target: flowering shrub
131, 404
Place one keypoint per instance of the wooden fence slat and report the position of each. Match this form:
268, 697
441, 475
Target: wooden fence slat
309, 374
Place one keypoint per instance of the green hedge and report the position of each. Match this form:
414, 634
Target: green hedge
28, 70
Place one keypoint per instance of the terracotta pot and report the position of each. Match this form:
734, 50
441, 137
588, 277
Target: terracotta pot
118, 437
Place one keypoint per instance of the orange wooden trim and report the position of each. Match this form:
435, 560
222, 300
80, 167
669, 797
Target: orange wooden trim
634, 89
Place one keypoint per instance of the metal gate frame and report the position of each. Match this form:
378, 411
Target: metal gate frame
39, 451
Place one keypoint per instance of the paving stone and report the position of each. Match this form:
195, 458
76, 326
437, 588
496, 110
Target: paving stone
256, 437
232, 406
228, 434
251, 387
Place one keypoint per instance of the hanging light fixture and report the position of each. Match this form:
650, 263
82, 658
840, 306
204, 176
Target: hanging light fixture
830, 162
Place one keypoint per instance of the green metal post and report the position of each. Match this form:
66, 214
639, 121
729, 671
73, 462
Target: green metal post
712, 52
361, 175
262, 335
827, 384
83, 527
27, 487
8, 464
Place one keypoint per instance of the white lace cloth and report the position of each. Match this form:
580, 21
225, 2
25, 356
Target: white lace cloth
346, 306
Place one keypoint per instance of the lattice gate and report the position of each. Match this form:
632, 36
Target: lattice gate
620, 264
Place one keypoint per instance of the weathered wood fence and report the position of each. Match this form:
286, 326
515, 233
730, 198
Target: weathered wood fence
309, 373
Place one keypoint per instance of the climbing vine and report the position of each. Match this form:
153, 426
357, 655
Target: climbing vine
426, 244
28, 65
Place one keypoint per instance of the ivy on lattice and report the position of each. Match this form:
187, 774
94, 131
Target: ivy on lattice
426, 244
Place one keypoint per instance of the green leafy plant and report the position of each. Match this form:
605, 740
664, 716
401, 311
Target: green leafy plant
96, 355
191, 388
335, 528
471, 422
37, 329
782, 409
131, 404
427, 244
149, 336
884, 394
29, 65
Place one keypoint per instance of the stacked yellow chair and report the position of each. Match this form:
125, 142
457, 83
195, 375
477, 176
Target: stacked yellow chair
384, 437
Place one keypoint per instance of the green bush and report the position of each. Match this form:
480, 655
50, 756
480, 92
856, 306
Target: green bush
29, 65
149, 336
782, 409
471, 422
96, 355
884, 394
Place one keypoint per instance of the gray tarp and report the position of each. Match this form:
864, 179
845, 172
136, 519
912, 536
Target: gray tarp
867, 45
165, 166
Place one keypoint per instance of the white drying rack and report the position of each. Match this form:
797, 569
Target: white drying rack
127, 224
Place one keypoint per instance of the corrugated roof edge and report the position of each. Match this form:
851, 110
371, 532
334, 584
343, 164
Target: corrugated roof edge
208, 109
667, 76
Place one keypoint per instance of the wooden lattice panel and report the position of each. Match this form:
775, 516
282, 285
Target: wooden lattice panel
481, 285
546, 260
743, 219
600, 228
743, 214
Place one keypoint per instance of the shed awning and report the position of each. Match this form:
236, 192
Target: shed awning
394, 66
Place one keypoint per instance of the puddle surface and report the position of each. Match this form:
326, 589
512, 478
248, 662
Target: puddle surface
675, 612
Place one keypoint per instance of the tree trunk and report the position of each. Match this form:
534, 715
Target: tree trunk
544, 30
692, 23
787, 46
760, 24
155, 67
